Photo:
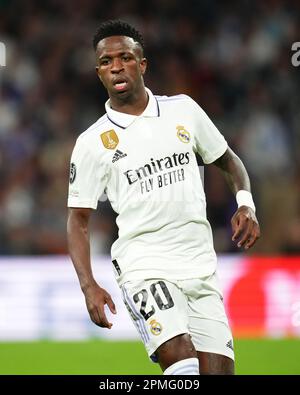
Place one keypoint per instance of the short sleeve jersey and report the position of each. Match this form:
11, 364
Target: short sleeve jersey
147, 166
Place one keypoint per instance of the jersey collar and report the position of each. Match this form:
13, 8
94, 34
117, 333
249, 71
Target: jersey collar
124, 120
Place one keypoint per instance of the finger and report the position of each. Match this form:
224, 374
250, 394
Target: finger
111, 305
103, 319
250, 242
254, 237
246, 234
95, 318
238, 227
234, 226
98, 319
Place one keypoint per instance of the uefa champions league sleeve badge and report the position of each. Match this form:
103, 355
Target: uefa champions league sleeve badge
72, 173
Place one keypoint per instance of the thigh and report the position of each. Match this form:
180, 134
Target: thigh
175, 349
211, 363
159, 311
208, 324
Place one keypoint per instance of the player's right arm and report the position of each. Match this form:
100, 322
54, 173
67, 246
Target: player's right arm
79, 249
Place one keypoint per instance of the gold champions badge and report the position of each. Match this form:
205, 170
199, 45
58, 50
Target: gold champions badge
155, 327
183, 134
110, 139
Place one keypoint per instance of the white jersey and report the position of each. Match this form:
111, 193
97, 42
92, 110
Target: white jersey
148, 168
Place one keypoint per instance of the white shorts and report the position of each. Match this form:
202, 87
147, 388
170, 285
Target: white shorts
161, 310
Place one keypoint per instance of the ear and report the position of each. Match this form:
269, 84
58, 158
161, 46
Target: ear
143, 65
97, 72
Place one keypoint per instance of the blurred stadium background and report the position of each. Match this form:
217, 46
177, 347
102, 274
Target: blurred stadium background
234, 58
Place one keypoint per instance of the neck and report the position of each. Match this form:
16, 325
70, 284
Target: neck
134, 104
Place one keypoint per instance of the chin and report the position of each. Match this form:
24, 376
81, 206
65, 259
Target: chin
123, 95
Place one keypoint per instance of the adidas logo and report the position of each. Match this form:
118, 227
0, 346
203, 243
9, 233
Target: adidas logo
118, 155
229, 345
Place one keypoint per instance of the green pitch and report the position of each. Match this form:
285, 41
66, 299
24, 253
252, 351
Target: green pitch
103, 357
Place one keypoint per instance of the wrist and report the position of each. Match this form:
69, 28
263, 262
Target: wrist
87, 285
244, 198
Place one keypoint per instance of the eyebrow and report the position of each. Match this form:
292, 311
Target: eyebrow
105, 56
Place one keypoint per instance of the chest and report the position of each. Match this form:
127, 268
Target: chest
152, 140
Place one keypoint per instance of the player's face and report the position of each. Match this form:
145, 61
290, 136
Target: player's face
120, 66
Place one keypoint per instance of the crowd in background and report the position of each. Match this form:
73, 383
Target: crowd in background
233, 58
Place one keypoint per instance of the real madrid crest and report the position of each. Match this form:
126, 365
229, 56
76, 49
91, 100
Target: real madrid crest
72, 172
110, 139
183, 134
155, 327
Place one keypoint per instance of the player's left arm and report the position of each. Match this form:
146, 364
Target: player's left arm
245, 226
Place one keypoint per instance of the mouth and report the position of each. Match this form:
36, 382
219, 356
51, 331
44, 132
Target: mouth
120, 84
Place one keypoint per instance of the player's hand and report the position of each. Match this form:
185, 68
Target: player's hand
96, 298
245, 227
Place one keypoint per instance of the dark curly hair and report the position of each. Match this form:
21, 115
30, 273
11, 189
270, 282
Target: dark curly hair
117, 28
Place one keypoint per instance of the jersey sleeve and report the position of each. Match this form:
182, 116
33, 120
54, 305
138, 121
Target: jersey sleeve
88, 177
210, 144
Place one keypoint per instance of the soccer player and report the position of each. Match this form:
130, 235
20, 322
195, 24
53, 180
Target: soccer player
142, 153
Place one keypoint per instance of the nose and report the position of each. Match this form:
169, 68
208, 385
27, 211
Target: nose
117, 65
